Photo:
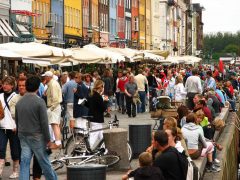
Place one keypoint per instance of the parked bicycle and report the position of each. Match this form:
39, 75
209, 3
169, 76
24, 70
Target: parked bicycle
97, 158
78, 143
78, 151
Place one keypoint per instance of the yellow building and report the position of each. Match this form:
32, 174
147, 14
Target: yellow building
142, 24
42, 8
73, 22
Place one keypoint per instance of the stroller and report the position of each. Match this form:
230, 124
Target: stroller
163, 109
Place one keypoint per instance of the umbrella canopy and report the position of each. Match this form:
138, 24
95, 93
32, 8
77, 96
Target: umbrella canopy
131, 54
158, 52
184, 59
34, 49
154, 57
113, 56
84, 55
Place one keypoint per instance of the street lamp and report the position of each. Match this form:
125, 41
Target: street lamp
117, 40
90, 33
49, 28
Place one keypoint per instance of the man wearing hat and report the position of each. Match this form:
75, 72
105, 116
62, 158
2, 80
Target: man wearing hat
54, 98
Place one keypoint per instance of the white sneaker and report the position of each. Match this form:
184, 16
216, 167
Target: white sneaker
14, 175
216, 161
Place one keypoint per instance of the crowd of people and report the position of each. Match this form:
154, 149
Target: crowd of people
32, 106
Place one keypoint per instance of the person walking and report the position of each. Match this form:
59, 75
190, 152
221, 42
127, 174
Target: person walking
8, 128
142, 82
193, 86
33, 131
130, 91
54, 98
68, 95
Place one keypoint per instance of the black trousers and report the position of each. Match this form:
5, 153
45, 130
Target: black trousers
131, 107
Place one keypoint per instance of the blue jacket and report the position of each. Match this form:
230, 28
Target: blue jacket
82, 92
67, 91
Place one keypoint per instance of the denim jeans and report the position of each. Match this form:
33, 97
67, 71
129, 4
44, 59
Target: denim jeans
6, 135
34, 144
141, 108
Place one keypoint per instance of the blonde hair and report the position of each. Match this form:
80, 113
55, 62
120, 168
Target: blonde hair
98, 86
179, 79
200, 114
145, 159
170, 123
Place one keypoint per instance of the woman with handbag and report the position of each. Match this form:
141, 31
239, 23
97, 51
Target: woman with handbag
8, 128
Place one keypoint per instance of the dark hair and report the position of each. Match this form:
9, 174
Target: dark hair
72, 75
161, 137
182, 111
32, 83
191, 117
209, 73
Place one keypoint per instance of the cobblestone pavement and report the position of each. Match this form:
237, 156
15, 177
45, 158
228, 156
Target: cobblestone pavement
142, 118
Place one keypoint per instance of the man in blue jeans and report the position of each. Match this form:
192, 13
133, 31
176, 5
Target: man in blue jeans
33, 131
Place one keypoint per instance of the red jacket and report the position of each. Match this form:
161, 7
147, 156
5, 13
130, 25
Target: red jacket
121, 83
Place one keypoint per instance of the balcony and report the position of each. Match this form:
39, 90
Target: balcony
171, 3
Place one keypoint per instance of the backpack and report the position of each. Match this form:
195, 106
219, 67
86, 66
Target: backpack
189, 169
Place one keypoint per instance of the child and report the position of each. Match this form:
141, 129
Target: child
146, 171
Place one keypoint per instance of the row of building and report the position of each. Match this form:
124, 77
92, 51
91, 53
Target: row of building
172, 25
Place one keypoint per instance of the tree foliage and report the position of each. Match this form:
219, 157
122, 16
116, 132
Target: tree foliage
219, 44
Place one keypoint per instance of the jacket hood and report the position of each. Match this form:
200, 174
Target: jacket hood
190, 126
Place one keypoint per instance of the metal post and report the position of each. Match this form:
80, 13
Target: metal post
2, 64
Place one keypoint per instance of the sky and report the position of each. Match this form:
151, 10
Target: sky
220, 15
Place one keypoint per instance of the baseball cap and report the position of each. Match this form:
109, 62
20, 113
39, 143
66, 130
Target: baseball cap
48, 74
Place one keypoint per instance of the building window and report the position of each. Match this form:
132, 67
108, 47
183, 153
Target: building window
135, 24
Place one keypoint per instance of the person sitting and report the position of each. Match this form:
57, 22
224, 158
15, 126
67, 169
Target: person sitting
168, 161
196, 142
182, 113
146, 171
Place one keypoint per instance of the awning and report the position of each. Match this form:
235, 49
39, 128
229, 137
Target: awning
5, 29
22, 29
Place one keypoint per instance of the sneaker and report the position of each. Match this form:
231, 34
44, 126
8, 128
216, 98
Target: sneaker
216, 161
14, 175
213, 169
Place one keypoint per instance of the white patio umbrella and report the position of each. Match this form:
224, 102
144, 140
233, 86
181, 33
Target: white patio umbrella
154, 57
84, 55
113, 56
34, 49
131, 54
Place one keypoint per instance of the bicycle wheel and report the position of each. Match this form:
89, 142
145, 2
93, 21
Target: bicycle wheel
75, 145
109, 160
129, 149
56, 165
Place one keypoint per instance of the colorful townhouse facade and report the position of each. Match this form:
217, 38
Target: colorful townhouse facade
170, 25
128, 19
113, 37
57, 20
121, 23
135, 24
73, 23
103, 22
42, 9
6, 31
142, 24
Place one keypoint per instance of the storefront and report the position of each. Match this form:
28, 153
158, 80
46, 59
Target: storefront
6, 32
